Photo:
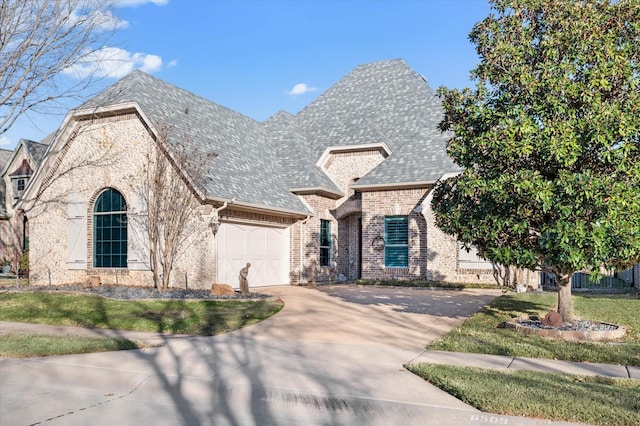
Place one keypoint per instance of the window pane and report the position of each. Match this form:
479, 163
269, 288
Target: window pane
325, 242
325, 233
324, 256
110, 231
110, 201
397, 230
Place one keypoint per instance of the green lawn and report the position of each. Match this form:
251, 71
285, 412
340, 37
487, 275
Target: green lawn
173, 316
31, 345
592, 400
481, 333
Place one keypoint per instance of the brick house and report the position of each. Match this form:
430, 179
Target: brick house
339, 191
17, 169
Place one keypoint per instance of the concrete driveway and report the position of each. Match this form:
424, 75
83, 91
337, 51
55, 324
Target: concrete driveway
333, 355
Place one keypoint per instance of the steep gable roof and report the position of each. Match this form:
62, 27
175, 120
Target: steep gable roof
37, 150
260, 164
242, 170
5, 157
382, 102
296, 159
24, 169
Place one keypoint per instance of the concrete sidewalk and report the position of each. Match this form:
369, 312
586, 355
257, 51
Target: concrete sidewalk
333, 355
504, 362
229, 379
501, 362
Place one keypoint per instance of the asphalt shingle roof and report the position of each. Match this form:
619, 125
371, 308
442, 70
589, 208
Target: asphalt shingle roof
259, 163
243, 168
37, 150
382, 102
294, 154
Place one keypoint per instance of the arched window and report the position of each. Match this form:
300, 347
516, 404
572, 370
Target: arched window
110, 230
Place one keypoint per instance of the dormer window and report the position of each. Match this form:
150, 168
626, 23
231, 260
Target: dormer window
20, 184
20, 179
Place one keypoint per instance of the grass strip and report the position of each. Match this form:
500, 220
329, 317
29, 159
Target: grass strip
204, 317
39, 345
584, 399
481, 332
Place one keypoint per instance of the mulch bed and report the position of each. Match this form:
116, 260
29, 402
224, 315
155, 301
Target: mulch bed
137, 293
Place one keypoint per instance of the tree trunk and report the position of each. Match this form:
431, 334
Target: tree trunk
565, 303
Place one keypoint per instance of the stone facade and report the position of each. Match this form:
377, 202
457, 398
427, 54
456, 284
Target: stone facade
113, 152
358, 226
104, 153
343, 166
380, 114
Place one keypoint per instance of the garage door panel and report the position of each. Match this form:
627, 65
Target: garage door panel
267, 249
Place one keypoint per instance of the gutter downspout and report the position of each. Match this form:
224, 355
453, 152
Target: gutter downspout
302, 223
215, 224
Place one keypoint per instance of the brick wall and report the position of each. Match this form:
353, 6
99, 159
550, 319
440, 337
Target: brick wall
443, 259
344, 167
308, 234
11, 229
376, 205
107, 152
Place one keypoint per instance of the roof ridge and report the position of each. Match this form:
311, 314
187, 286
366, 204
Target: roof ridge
349, 76
187, 92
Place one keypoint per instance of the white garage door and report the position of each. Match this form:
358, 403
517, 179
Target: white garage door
267, 249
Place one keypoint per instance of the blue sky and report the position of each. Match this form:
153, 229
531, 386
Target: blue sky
259, 56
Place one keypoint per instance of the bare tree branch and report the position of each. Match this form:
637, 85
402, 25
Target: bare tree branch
170, 200
40, 42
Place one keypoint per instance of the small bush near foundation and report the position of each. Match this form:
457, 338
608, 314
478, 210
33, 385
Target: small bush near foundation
424, 283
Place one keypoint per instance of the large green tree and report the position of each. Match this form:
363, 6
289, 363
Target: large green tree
549, 139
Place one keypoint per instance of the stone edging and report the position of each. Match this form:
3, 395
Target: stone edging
569, 335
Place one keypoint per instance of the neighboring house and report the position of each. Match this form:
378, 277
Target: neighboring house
340, 190
17, 168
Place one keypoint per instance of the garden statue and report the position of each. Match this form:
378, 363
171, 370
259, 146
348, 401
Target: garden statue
244, 282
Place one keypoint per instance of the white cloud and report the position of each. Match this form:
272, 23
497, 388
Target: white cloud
301, 89
4, 141
133, 3
172, 63
150, 63
98, 19
114, 62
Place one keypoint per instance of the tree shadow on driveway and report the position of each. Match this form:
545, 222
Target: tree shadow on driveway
435, 302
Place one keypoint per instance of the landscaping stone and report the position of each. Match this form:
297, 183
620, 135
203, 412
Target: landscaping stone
137, 293
581, 330
222, 290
